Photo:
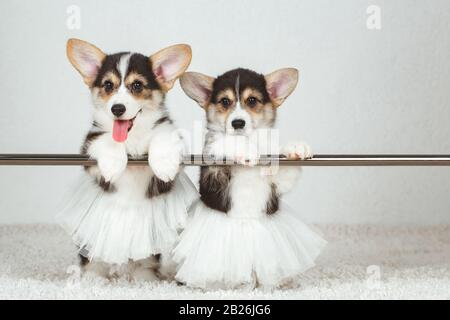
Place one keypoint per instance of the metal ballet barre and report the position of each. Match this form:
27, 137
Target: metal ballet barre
201, 160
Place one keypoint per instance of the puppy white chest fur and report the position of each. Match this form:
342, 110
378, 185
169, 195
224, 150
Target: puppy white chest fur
249, 193
132, 185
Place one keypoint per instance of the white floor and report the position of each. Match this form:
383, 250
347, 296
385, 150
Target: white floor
360, 262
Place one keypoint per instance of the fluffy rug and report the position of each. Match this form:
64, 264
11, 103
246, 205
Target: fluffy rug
360, 262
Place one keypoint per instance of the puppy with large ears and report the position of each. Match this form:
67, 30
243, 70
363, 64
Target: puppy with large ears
126, 219
241, 234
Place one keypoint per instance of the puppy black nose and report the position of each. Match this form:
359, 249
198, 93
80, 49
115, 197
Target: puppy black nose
238, 123
118, 109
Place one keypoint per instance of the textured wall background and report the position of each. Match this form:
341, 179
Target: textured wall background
361, 91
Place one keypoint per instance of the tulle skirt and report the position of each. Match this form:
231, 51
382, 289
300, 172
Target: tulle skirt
112, 228
219, 251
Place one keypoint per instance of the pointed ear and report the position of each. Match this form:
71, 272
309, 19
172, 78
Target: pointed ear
280, 84
86, 58
170, 63
197, 86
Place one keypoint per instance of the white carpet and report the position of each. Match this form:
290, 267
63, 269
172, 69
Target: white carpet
413, 263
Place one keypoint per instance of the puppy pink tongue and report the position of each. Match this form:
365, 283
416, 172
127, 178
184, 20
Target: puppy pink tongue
120, 130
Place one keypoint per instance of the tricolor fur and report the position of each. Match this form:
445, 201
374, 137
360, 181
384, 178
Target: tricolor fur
238, 104
131, 119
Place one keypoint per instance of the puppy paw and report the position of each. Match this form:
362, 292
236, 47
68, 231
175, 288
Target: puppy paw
165, 168
239, 159
112, 166
248, 160
165, 160
297, 151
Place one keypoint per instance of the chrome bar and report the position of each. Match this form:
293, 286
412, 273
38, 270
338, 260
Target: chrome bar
199, 160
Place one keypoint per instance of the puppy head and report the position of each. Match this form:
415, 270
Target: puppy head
126, 86
240, 100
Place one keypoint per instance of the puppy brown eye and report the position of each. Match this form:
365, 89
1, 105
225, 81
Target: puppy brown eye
137, 86
225, 102
108, 86
252, 101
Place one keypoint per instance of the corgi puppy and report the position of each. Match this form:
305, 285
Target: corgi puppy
125, 220
241, 234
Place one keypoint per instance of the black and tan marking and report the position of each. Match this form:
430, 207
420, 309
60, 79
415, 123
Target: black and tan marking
139, 78
90, 137
83, 260
163, 119
158, 187
246, 79
273, 203
238, 88
214, 187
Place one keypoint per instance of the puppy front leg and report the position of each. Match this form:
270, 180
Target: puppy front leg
286, 177
234, 149
111, 157
165, 152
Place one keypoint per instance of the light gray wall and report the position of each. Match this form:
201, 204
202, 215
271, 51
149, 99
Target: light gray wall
361, 91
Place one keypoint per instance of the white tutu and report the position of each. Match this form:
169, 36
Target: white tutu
219, 251
119, 226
